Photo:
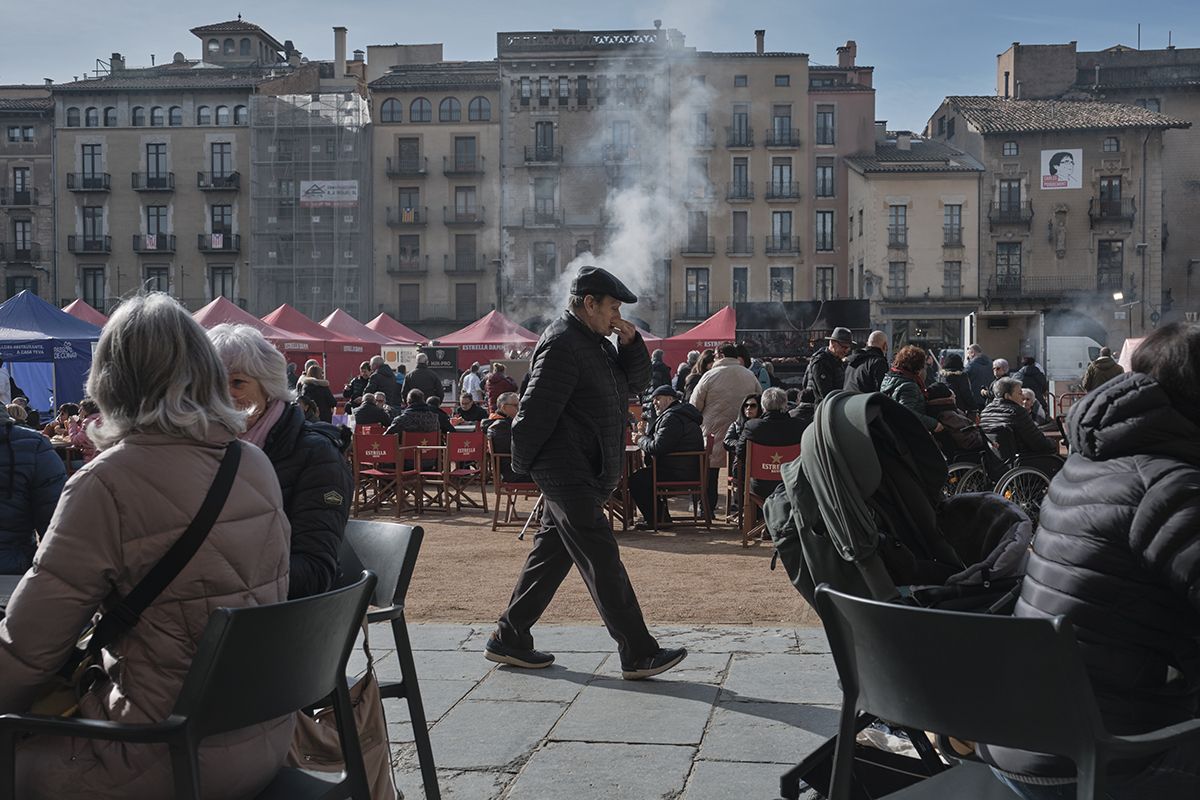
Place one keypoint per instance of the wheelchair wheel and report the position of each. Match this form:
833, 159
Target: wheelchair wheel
1026, 487
973, 480
954, 475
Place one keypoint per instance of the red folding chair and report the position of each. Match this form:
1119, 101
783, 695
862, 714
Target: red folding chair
464, 449
510, 491
429, 458
380, 475
763, 462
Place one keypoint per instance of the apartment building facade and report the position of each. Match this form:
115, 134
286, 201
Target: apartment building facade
913, 237
436, 201
26, 189
1070, 212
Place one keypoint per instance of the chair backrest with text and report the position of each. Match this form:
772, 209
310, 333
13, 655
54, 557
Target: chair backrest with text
763, 461
465, 447
375, 449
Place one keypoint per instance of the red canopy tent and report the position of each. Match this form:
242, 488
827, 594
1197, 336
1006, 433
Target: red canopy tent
396, 331
342, 323
487, 339
295, 348
81, 310
719, 329
343, 353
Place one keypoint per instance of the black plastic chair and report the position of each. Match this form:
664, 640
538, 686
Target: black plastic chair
253, 665
1025, 687
390, 550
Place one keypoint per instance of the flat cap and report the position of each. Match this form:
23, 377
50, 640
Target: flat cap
596, 280
664, 391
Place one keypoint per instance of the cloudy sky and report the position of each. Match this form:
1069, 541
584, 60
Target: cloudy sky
922, 50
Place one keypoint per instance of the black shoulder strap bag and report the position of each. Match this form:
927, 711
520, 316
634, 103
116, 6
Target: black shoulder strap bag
83, 668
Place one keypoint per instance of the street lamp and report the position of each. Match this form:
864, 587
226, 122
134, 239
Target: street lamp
1117, 297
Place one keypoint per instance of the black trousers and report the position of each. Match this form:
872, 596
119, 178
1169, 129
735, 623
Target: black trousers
575, 531
641, 489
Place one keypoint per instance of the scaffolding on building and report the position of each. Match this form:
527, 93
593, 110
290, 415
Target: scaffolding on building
310, 195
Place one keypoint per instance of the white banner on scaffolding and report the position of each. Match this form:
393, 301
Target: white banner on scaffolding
329, 193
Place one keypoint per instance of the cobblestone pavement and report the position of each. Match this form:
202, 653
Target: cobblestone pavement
747, 704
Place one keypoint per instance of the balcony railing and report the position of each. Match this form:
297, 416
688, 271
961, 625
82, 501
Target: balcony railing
217, 182
542, 218
618, 154
406, 167
20, 252
414, 265
898, 236
952, 236
160, 243
739, 137
739, 191
462, 165
543, 154
783, 190
89, 181
739, 245
583, 219
18, 197
703, 139
783, 245
1122, 210
1011, 213
463, 263
1051, 286
462, 216
89, 244
698, 246
692, 310
783, 137
407, 217
153, 181
219, 242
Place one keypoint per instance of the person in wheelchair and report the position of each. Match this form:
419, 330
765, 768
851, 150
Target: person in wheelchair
960, 439
1007, 411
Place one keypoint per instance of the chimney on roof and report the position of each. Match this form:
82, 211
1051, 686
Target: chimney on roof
1007, 75
880, 131
359, 55
49, 81
1017, 95
339, 51
116, 63
904, 140
760, 41
846, 54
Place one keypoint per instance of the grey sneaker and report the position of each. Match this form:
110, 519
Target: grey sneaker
653, 665
501, 653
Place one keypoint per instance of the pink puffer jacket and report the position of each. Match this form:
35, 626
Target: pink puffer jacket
117, 517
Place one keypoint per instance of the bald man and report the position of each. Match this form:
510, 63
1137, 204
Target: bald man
866, 368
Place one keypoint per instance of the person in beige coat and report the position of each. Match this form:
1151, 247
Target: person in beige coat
167, 418
719, 396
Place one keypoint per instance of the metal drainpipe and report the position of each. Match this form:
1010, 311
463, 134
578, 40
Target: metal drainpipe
54, 205
1145, 244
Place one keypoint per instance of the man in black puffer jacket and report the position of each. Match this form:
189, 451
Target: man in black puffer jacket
1006, 411
826, 371
866, 368
1118, 553
676, 429
383, 379
569, 435
31, 479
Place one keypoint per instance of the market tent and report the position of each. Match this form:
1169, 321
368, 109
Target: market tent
488, 339
341, 322
719, 329
47, 351
81, 310
295, 347
396, 331
343, 354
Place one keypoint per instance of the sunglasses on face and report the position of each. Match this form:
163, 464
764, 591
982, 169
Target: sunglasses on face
750, 405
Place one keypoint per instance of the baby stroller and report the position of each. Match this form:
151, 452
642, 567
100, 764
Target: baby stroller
863, 510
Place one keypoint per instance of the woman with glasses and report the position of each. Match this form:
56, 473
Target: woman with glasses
751, 409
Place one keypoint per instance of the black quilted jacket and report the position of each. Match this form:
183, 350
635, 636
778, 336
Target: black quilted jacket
570, 432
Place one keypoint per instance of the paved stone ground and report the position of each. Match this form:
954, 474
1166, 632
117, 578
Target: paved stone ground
747, 704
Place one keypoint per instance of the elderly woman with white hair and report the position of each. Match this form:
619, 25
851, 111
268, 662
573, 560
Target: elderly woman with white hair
307, 456
168, 424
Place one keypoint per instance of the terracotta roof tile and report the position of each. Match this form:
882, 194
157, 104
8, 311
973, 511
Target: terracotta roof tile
1000, 115
923, 155
444, 75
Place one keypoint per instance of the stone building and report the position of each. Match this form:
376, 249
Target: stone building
913, 237
437, 202
26, 189
1165, 80
1070, 212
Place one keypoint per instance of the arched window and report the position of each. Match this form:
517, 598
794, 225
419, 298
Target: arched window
137, 117
203, 115
228, 48
91, 118
175, 116
222, 115
72, 117
450, 110
240, 115
420, 111
157, 119
479, 110
110, 117
214, 46
390, 110
244, 47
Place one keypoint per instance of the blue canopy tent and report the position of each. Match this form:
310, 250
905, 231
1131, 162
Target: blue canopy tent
47, 351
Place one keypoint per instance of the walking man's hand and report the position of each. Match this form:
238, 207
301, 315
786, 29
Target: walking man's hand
624, 330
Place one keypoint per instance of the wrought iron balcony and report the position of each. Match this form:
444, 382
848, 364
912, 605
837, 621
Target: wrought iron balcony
739, 191
692, 310
18, 197
462, 165
20, 252
783, 245
406, 167
412, 265
952, 236
217, 182
698, 246
153, 181
619, 154
736, 137
739, 245
161, 243
219, 242
407, 217
702, 138
1100, 211
783, 138
542, 218
898, 236
462, 216
1054, 286
89, 181
89, 244
463, 263
543, 154
788, 191
1011, 213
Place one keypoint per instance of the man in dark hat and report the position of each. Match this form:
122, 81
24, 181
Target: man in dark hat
676, 429
826, 369
569, 435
